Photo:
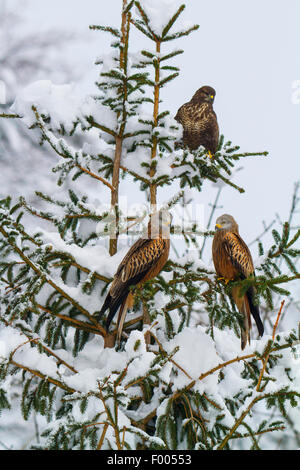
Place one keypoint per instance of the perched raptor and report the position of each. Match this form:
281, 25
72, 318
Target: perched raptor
233, 261
143, 262
199, 121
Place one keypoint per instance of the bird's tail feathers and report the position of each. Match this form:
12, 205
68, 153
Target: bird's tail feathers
112, 311
111, 304
105, 306
254, 310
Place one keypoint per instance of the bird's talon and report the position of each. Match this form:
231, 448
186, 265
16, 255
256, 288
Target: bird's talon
223, 279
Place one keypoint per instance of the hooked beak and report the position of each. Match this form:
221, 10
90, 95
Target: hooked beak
218, 226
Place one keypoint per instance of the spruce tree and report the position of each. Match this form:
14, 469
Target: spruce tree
179, 379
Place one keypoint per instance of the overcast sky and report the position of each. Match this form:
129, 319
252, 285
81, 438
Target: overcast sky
249, 52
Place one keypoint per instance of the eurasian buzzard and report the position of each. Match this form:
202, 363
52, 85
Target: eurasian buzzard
199, 121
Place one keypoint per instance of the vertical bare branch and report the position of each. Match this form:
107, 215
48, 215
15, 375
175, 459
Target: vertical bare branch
125, 28
153, 188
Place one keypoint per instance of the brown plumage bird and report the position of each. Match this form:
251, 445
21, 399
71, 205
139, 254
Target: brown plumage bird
143, 262
199, 121
233, 261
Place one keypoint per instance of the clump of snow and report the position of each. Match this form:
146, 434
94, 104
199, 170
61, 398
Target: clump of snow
135, 162
96, 258
61, 102
85, 380
136, 345
164, 166
94, 407
9, 341
103, 115
95, 362
157, 20
16, 347
192, 257
197, 354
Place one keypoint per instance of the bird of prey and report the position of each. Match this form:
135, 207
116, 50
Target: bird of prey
144, 261
233, 261
199, 121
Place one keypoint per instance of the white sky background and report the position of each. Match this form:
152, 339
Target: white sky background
249, 52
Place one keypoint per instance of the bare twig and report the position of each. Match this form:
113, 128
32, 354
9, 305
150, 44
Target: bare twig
268, 355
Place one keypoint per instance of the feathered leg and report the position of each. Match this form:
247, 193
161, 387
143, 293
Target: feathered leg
247, 322
243, 307
121, 319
